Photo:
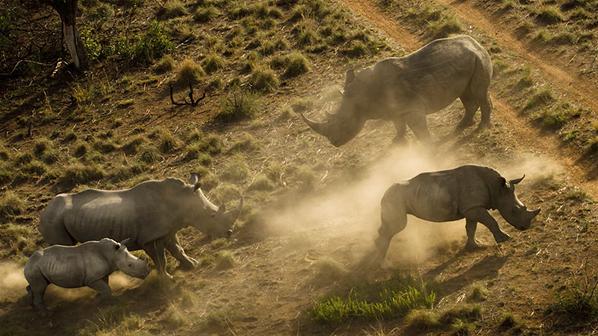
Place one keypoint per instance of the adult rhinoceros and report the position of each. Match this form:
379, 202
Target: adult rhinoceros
406, 89
464, 192
149, 215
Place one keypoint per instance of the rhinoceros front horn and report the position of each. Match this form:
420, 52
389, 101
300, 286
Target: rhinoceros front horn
320, 128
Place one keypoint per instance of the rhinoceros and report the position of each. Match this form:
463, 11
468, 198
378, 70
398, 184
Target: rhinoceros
464, 192
406, 89
148, 214
88, 264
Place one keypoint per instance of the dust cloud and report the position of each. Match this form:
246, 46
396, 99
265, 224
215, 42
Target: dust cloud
348, 212
13, 286
12, 282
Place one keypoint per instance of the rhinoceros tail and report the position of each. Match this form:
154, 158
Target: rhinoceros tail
51, 224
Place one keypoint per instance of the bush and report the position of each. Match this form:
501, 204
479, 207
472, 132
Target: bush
421, 320
238, 105
77, 173
189, 72
143, 50
224, 260
205, 14
295, 64
212, 63
149, 154
444, 27
540, 98
548, 15
355, 49
263, 79
132, 146
171, 9
577, 304
10, 205
165, 64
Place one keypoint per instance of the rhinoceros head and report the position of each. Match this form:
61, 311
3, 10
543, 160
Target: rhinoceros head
344, 125
212, 220
127, 262
511, 208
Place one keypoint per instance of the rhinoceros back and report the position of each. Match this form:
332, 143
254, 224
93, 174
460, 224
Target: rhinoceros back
108, 214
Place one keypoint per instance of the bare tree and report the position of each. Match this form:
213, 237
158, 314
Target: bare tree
67, 9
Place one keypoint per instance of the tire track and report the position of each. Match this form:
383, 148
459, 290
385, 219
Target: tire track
528, 136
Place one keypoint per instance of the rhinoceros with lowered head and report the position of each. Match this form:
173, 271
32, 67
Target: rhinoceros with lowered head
464, 192
88, 264
149, 215
406, 89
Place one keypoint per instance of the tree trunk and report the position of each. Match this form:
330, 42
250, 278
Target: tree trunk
67, 9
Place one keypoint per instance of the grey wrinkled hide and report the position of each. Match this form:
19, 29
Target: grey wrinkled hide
405, 89
149, 215
88, 264
464, 192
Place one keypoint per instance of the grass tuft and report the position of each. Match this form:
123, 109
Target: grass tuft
10, 205
263, 79
238, 105
171, 9
189, 71
224, 260
77, 173
295, 64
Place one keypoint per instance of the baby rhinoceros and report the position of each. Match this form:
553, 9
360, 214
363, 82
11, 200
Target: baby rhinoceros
88, 264
464, 192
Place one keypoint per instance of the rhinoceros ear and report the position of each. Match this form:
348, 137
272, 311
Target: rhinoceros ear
116, 246
193, 178
503, 182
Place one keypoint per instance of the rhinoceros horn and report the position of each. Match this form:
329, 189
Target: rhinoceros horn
320, 128
516, 181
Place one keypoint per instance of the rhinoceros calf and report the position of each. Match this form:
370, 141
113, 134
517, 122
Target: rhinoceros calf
149, 215
464, 192
88, 264
406, 89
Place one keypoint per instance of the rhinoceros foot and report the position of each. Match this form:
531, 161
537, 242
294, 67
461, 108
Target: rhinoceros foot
473, 245
501, 237
187, 265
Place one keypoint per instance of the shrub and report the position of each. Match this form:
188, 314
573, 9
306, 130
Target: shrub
206, 14
238, 105
444, 27
355, 49
189, 72
132, 146
10, 205
235, 171
246, 142
165, 64
171, 9
144, 49
212, 63
77, 173
263, 79
548, 15
421, 320
149, 154
224, 260
540, 98
295, 64
81, 148
262, 183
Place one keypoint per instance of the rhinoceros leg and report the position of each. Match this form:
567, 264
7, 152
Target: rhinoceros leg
419, 125
401, 130
37, 289
471, 106
481, 215
393, 220
155, 249
470, 227
486, 107
174, 247
101, 286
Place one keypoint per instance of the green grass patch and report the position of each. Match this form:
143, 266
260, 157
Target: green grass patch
295, 64
212, 63
189, 72
206, 14
577, 304
263, 79
171, 9
548, 15
540, 98
396, 298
